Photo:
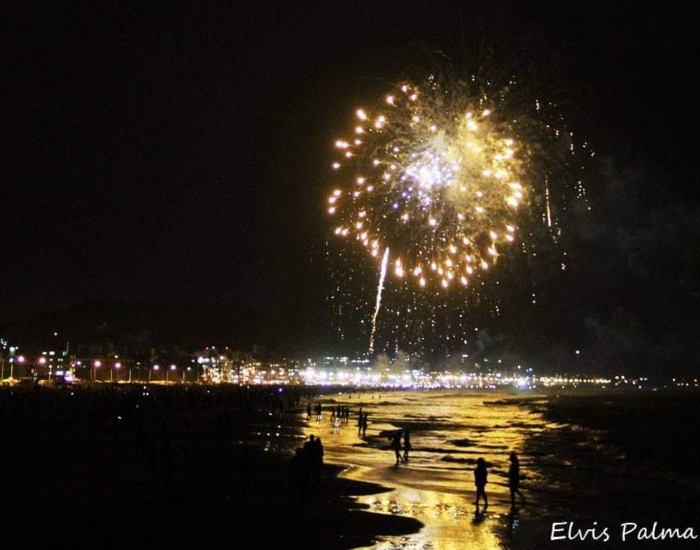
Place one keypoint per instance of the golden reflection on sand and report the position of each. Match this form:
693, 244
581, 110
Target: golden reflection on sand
449, 431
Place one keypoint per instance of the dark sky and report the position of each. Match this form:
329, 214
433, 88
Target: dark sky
180, 154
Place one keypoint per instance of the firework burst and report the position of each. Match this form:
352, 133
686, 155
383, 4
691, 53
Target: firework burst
437, 178
450, 175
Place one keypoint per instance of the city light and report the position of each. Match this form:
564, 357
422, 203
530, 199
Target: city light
210, 366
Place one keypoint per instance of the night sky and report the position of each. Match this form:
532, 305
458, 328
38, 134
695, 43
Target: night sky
180, 155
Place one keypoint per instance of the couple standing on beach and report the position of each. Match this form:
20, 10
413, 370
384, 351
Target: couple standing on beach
362, 423
481, 478
395, 439
305, 467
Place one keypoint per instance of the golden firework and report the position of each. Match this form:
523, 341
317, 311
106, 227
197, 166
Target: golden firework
434, 176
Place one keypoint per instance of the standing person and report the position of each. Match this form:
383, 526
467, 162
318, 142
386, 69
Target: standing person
316, 461
406, 444
359, 422
298, 475
480, 480
396, 445
308, 449
364, 425
514, 478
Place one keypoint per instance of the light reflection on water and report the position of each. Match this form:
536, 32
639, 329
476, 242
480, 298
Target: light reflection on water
449, 431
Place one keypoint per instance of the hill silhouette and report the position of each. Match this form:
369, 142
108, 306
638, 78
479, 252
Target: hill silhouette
141, 325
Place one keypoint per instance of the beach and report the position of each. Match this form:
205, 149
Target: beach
193, 467
196, 466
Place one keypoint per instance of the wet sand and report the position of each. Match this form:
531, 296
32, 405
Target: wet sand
435, 486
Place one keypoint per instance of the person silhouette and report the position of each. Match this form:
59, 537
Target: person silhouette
316, 461
309, 447
406, 444
396, 445
514, 478
480, 480
298, 475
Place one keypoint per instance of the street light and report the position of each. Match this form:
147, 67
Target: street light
95, 365
117, 366
20, 360
155, 368
172, 368
42, 362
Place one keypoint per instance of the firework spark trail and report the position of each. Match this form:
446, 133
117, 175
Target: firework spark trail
380, 287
